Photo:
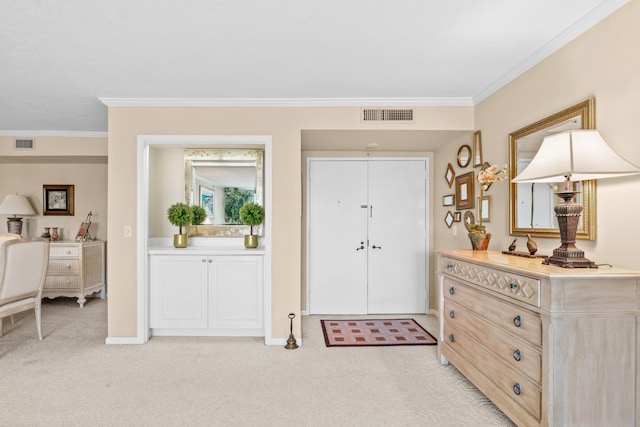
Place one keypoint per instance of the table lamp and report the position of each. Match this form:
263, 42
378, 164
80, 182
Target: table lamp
576, 155
15, 204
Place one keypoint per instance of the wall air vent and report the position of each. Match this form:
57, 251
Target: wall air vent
24, 144
387, 115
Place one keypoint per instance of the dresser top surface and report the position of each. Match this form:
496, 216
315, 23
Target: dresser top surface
532, 266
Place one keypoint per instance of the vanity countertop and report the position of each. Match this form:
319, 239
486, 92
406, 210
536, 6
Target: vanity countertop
205, 250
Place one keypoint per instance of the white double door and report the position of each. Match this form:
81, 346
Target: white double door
367, 241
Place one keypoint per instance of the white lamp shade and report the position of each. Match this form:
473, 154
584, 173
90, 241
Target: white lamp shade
15, 204
580, 154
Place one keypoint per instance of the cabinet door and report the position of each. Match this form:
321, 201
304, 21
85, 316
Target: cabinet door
178, 291
236, 300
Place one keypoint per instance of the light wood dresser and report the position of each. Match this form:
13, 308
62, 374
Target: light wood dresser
76, 269
549, 346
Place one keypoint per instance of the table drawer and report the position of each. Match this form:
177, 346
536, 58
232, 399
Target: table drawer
62, 282
511, 383
514, 319
63, 266
64, 251
513, 351
517, 286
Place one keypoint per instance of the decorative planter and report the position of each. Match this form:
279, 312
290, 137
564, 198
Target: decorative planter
179, 240
479, 240
251, 241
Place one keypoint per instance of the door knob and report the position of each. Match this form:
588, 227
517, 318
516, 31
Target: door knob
376, 247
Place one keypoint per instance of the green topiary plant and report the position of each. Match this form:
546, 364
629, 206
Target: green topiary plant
251, 214
199, 214
180, 215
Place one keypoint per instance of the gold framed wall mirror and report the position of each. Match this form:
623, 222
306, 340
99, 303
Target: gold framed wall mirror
531, 204
221, 180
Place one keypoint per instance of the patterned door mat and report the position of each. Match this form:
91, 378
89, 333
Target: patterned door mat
354, 333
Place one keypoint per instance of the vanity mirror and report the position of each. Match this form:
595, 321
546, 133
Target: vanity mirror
222, 180
531, 204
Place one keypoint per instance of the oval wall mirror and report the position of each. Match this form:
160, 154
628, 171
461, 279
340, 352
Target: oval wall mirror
464, 156
531, 204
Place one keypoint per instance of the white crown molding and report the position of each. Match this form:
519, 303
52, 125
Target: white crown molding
53, 133
287, 102
588, 21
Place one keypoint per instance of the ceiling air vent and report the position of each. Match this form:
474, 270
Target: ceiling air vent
24, 144
387, 115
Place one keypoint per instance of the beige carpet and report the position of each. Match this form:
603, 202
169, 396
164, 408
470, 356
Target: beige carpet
73, 379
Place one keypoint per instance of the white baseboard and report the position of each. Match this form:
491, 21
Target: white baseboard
123, 340
280, 341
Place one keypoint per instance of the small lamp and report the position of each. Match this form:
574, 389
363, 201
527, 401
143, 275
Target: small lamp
15, 205
579, 155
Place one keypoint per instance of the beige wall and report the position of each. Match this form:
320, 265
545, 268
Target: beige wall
603, 63
58, 160
284, 125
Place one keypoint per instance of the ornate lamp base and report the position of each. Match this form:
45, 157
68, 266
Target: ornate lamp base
14, 225
568, 215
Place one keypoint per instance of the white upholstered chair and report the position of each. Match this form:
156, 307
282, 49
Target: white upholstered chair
8, 236
23, 267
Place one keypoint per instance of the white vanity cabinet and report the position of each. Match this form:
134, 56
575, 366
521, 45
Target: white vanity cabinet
549, 346
199, 293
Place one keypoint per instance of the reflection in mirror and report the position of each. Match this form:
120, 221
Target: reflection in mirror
531, 204
221, 181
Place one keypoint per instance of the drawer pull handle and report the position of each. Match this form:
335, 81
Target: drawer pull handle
517, 389
513, 286
452, 291
204, 260
449, 266
517, 321
210, 261
452, 338
68, 266
517, 355
452, 314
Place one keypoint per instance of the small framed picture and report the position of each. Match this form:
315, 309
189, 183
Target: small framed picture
448, 219
465, 192
457, 216
449, 175
484, 208
57, 199
83, 233
477, 149
449, 200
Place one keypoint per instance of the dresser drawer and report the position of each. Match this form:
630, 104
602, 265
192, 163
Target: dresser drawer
64, 251
63, 266
511, 383
513, 285
512, 351
514, 319
62, 282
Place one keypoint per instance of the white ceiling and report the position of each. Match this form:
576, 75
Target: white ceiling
59, 57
